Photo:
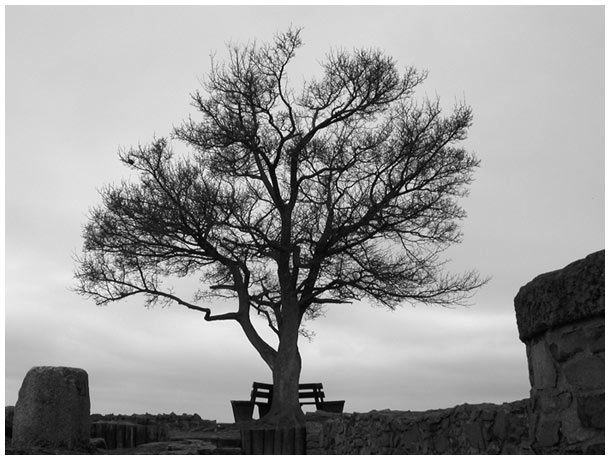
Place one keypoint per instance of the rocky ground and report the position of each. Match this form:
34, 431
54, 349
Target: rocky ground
219, 439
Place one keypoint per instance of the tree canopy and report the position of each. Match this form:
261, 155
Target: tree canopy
288, 199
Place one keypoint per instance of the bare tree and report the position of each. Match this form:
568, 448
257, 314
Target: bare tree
290, 200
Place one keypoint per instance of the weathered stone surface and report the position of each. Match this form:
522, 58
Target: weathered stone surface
591, 411
548, 433
464, 429
564, 346
181, 447
98, 443
596, 337
572, 430
500, 427
172, 420
553, 401
474, 435
586, 373
596, 449
9, 412
411, 437
542, 367
560, 297
52, 408
561, 319
126, 435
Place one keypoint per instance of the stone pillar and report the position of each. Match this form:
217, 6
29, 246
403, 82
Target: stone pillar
52, 409
560, 316
9, 413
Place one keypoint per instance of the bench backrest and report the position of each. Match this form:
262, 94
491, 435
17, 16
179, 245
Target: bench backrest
264, 391
311, 391
261, 391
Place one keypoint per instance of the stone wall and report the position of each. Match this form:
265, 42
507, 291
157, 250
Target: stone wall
172, 420
9, 413
560, 316
129, 431
126, 435
464, 429
561, 319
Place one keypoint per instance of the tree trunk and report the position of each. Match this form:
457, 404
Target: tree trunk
285, 408
282, 430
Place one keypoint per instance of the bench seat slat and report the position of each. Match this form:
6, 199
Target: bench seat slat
310, 386
266, 386
261, 392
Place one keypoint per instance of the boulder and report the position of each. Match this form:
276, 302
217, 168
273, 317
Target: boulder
565, 296
52, 409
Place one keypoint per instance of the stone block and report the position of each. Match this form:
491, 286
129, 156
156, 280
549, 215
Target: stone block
591, 411
596, 337
493, 448
499, 427
441, 444
509, 449
565, 345
547, 433
9, 413
474, 435
542, 365
552, 401
572, 429
586, 373
52, 409
410, 437
596, 449
384, 439
564, 296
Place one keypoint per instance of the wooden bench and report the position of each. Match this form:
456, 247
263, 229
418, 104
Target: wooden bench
262, 396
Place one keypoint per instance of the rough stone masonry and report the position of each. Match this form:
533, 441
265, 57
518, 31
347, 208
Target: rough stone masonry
52, 409
560, 316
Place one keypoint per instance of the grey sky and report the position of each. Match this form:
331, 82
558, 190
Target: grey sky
83, 81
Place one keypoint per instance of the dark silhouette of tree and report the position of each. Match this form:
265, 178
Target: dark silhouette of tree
289, 200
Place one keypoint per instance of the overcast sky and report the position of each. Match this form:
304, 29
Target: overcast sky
81, 82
